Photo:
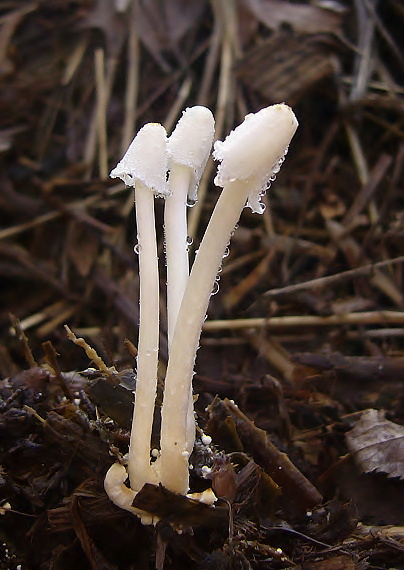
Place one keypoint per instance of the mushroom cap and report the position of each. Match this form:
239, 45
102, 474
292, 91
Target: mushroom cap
146, 160
190, 143
254, 151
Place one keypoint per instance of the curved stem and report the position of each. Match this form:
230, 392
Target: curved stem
174, 444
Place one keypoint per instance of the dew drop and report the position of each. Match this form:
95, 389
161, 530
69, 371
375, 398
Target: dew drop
234, 230
226, 252
191, 203
215, 288
206, 439
136, 249
190, 241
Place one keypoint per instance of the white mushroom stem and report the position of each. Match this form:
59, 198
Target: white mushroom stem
189, 147
174, 445
144, 166
250, 156
139, 468
176, 246
116, 490
176, 234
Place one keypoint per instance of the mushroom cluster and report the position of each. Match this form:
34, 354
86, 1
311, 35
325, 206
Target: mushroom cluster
249, 158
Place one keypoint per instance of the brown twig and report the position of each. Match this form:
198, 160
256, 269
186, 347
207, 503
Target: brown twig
363, 271
272, 323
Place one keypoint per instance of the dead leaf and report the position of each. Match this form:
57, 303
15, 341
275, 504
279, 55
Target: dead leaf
270, 66
378, 444
301, 17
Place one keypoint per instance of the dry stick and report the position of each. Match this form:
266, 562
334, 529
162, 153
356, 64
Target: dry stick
238, 263
74, 60
223, 98
365, 318
126, 307
19, 332
90, 351
362, 198
376, 333
377, 86
24, 258
295, 487
178, 104
363, 61
37, 318
47, 123
210, 65
355, 255
91, 142
101, 111
168, 83
52, 361
48, 217
385, 33
243, 287
9, 22
52, 323
337, 278
308, 191
285, 243
132, 83
363, 72
270, 349
383, 207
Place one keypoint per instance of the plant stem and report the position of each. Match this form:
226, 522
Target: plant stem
139, 468
174, 445
175, 229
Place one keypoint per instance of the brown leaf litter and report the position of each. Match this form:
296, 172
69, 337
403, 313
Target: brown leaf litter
305, 334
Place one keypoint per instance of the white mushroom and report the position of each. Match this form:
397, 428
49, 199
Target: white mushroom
249, 157
144, 166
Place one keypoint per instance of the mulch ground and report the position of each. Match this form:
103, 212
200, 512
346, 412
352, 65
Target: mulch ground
300, 373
